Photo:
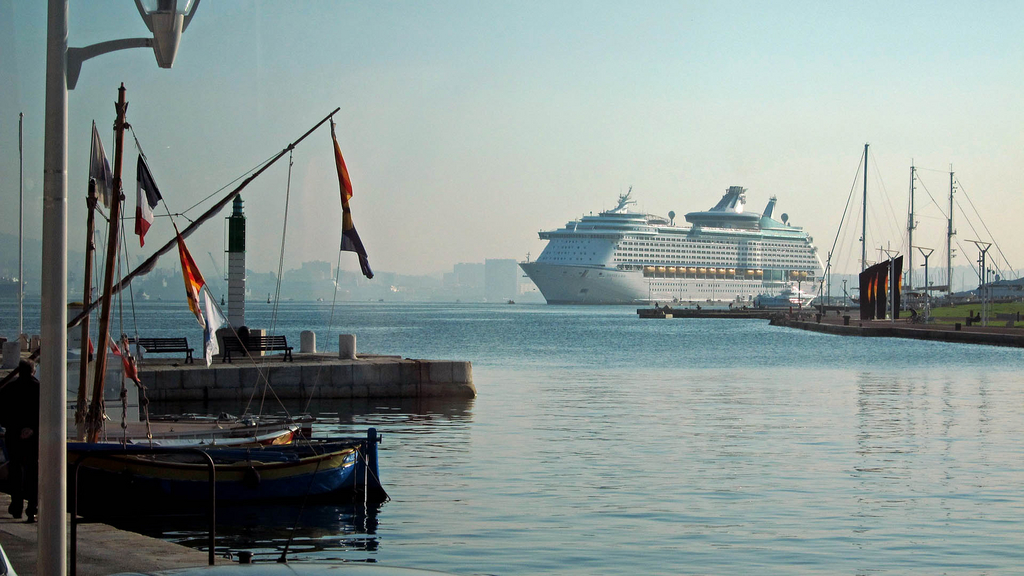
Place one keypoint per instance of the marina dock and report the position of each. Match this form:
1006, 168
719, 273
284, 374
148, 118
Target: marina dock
320, 376
737, 313
834, 321
1004, 335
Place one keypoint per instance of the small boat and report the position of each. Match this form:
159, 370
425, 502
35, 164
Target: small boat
237, 436
138, 477
789, 297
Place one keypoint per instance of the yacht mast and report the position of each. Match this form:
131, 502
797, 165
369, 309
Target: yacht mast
864, 217
911, 224
949, 238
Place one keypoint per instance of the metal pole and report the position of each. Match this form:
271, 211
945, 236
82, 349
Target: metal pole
949, 240
95, 417
21, 224
864, 217
52, 532
926, 252
910, 233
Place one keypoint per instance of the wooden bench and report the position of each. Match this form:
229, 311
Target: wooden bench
256, 344
166, 345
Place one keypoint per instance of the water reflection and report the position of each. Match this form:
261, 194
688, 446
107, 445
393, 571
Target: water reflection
430, 435
341, 410
343, 531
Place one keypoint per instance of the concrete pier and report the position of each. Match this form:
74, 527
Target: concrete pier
102, 549
320, 376
991, 335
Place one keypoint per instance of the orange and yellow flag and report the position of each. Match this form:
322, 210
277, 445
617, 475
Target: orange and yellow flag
193, 280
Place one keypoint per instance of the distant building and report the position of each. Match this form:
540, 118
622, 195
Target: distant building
501, 279
315, 270
469, 275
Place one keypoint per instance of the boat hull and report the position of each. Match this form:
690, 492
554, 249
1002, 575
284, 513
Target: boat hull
565, 284
561, 284
161, 478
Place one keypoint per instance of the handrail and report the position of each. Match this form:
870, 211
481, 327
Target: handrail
130, 450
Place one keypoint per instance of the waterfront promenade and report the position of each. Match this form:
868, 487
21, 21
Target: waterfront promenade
102, 549
999, 333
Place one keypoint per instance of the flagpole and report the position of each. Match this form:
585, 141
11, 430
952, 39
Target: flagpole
151, 261
95, 416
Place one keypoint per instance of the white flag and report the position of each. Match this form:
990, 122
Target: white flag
214, 320
99, 169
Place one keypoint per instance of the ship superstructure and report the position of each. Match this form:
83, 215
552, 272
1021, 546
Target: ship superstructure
724, 254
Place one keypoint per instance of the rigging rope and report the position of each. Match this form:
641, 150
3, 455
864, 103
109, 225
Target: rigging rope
330, 328
982, 220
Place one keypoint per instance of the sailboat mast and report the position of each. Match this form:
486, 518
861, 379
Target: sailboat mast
949, 239
81, 411
96, 407
864, 217
910, 232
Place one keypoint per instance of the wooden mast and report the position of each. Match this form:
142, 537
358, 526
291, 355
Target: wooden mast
90, 246
95, 416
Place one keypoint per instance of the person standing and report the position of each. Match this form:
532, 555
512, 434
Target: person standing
19, 415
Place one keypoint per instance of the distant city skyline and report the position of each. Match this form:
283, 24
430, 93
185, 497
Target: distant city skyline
468, 127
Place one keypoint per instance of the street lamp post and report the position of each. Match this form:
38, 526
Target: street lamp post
982, 278
166, 19
926, 252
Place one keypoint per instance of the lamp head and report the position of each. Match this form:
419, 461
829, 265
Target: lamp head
166, 19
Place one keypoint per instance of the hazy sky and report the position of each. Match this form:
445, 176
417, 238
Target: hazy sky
469, 126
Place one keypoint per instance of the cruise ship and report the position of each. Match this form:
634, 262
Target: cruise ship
722, 255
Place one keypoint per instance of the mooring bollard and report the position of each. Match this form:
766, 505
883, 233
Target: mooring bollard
347, 346
846, 320
956, 326
307, 342
12, 354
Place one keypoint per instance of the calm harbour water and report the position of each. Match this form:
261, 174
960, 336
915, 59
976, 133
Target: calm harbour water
604, 444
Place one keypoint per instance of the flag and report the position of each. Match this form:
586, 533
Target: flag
131, 370
99, 169
350, 241
193, 279
214, 320
147, 196
896, 287
881, 289
867, 294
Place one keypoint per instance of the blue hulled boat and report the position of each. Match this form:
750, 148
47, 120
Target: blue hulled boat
327, 470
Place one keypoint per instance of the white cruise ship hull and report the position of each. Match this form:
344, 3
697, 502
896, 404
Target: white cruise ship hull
566, 284
563, 284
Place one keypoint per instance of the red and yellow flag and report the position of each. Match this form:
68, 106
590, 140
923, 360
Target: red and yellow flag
350, 241
345, 181
193, 279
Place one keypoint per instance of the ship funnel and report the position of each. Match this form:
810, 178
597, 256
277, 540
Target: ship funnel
769, 210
